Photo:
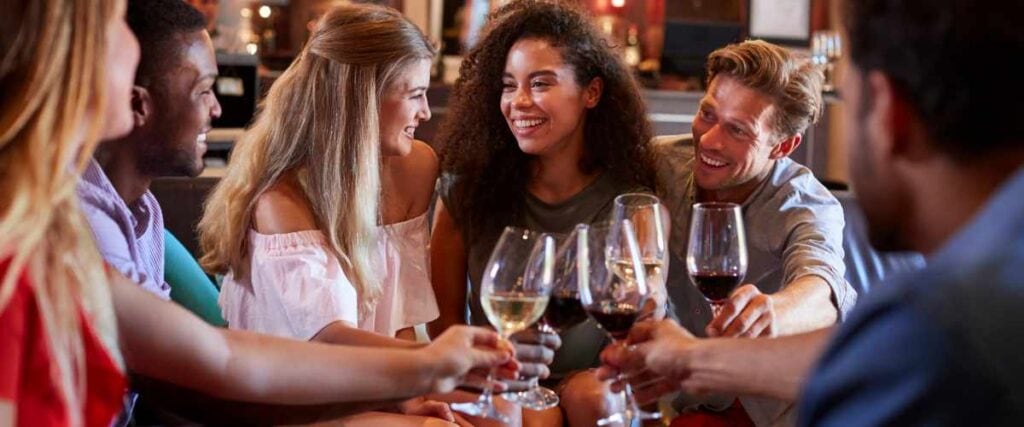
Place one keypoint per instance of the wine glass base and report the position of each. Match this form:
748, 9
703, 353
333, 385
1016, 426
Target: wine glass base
626, 417
537, 398
477, 409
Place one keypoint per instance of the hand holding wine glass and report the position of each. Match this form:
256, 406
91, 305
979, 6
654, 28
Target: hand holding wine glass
514, 293
612, 292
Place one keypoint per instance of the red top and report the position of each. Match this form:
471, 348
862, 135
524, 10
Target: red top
26, 365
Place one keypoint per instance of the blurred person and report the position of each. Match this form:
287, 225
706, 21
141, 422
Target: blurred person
73, 326
938, 171
545, 127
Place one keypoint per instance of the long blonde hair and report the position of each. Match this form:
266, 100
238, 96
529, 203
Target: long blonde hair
52, 77
321, 120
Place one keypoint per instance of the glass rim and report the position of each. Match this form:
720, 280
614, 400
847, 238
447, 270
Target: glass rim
716, 206
649, 198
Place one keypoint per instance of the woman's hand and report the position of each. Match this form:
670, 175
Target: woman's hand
463, 355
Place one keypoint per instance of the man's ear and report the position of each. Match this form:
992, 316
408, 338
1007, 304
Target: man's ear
785, 147
142, 105
593, 93
896, 120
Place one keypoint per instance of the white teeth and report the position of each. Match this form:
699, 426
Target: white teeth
410, 131
526, 123
202, 138
711, 161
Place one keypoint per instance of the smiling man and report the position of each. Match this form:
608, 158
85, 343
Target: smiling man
173, 104
760, 99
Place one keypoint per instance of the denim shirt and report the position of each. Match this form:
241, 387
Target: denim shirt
939, 346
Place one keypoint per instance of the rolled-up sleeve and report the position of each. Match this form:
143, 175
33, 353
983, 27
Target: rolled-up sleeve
814, 245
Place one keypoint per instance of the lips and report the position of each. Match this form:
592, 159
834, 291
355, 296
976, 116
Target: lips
410, 132
711, 162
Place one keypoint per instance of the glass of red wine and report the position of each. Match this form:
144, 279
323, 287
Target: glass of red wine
612, 293
716, 256
564, 311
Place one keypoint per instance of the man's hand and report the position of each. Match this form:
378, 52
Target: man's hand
535, 350
659, 347
748, 313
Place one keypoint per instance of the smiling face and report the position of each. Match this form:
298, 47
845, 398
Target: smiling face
736, 145
402, 108
183, 106
543, 104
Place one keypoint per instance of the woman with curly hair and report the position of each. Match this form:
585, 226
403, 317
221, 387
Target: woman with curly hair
545, 127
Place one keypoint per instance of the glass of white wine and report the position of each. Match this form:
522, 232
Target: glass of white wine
644, 211
514, 292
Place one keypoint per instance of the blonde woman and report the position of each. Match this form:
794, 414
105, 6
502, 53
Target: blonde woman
71, 327
294, 223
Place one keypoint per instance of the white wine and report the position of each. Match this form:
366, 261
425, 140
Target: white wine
514, 311
623, 269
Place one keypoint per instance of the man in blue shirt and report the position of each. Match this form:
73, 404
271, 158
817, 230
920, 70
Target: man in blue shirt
937, 158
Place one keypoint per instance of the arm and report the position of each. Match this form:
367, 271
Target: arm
814, 294
775, 368
338, 332
163, 341
448, 264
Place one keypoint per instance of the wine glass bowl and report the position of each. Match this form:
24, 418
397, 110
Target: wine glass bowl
716, 256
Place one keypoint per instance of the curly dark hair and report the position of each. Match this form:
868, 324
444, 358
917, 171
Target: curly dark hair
479, 149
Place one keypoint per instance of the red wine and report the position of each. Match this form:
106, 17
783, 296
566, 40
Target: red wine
616, 319
564, 312
716, 287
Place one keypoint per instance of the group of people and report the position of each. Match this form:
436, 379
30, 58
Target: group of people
322, 226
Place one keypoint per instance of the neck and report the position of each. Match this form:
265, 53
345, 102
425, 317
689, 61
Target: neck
947, 196
557, 176
735, 194
120, 163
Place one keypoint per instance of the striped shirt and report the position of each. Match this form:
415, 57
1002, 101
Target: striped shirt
130, 238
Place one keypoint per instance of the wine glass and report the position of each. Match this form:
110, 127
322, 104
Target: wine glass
514, 292
612, 294
716, 255
563, 311
645, 212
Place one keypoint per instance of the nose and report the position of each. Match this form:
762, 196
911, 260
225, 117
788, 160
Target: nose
712, 138
521, 99
215, 110
424, 113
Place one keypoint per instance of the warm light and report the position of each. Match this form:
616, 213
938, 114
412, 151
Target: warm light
252, 48
618, 3
264, 12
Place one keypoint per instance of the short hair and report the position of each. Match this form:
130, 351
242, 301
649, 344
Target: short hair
157, 24
791, 81
954, 62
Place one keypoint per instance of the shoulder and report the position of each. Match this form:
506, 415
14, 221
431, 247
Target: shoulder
283, 208
793, 188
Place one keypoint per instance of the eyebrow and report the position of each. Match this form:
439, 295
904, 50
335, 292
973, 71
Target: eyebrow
417, 88
537, 73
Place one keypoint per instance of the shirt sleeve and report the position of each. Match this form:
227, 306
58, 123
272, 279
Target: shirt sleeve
305, 285
814, 245
112, 243
889, 367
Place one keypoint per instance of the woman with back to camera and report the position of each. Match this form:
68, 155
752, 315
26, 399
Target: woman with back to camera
71, 326
545, 127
